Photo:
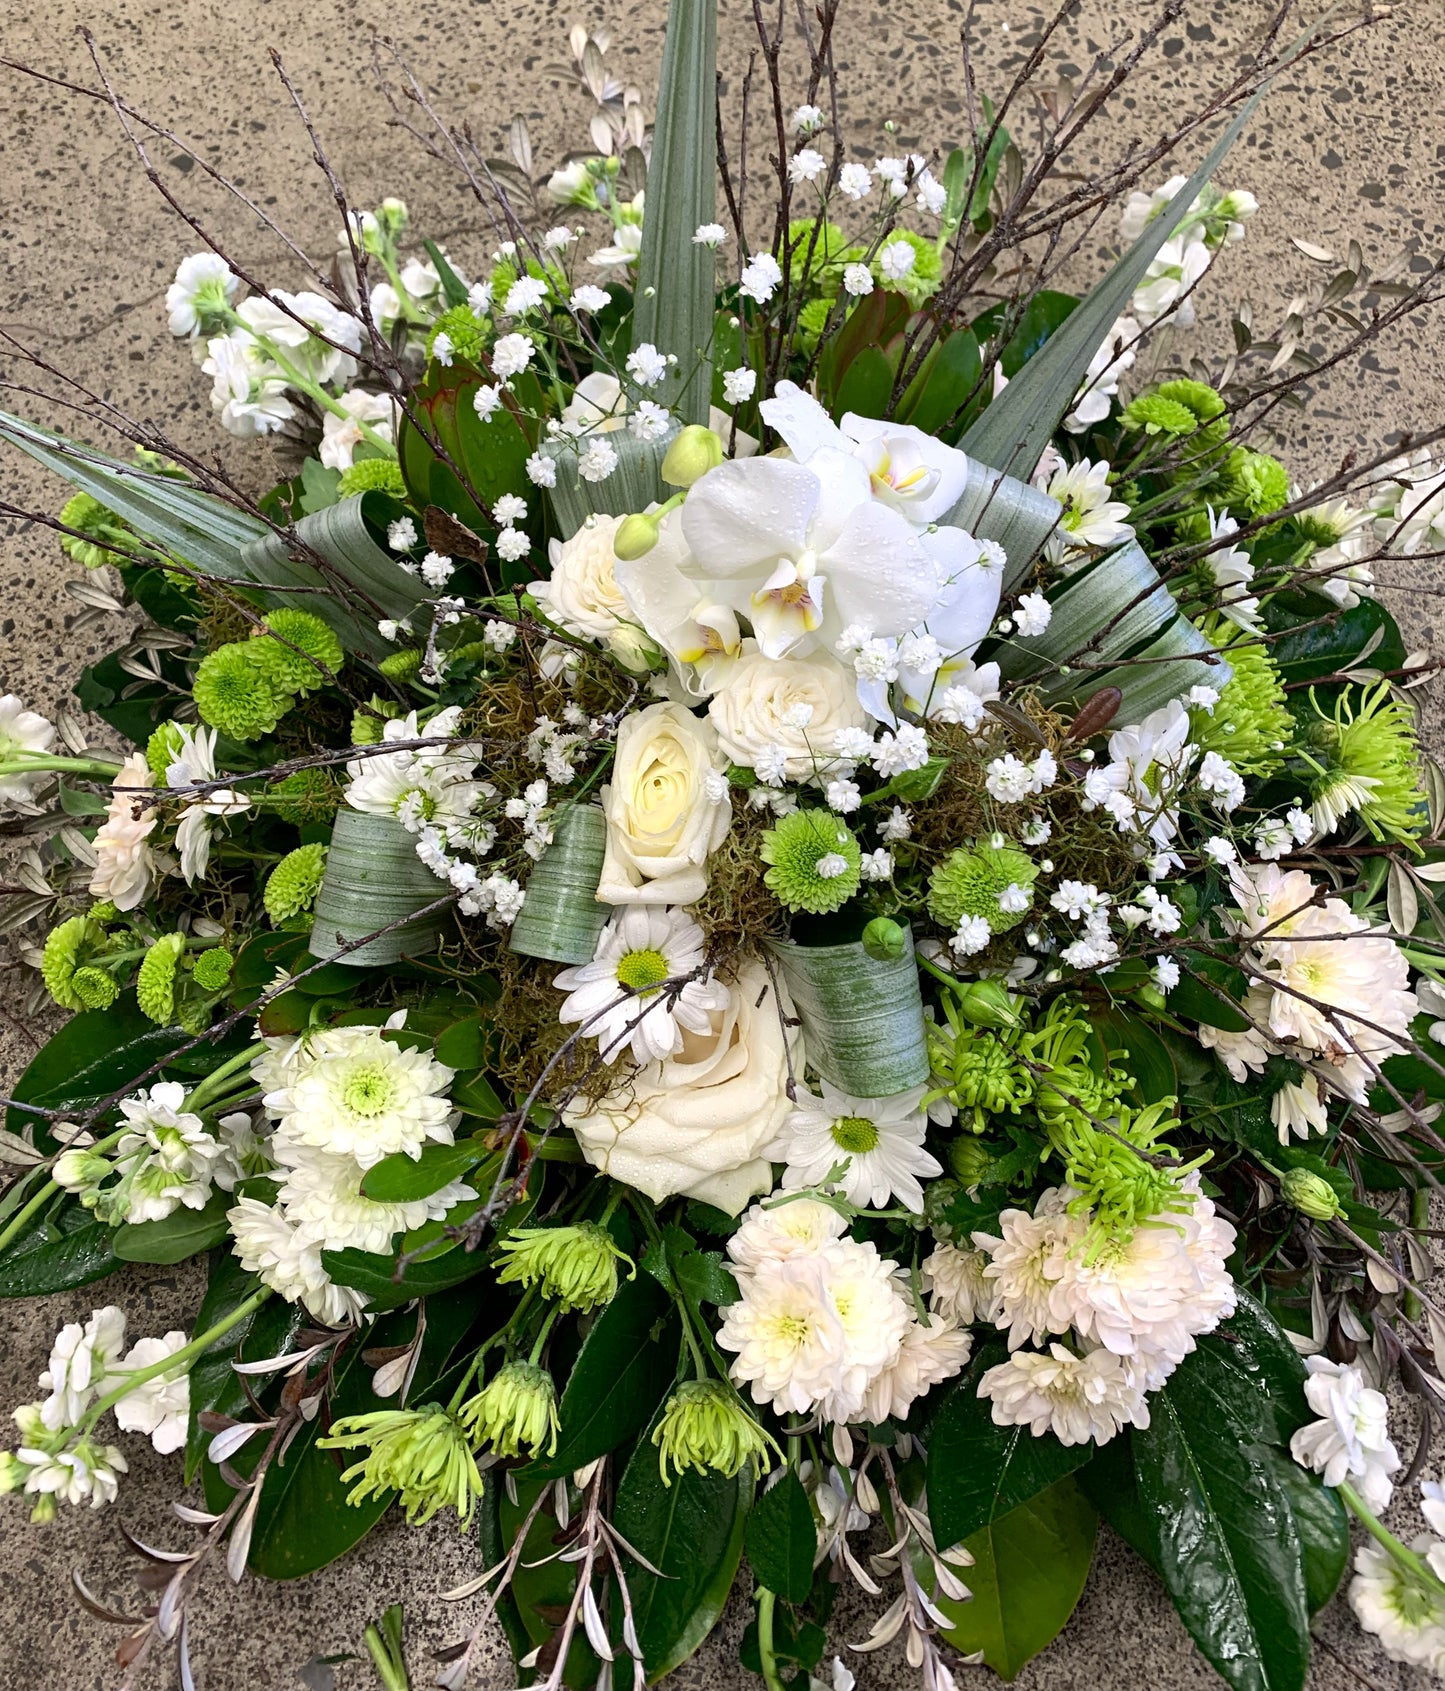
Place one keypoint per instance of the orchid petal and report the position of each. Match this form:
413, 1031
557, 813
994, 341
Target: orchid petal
742, 516
801, 421
881, 576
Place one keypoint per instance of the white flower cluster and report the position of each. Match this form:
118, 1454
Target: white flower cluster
1129, 1308
1212, 220
826, 1326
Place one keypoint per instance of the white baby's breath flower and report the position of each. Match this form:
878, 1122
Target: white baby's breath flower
524, 295
1032, 615
486, 400
760, 278
541, 470
511, 355
589, 298
856, 181
709, 235
597, 460
806, 165
857, 280
646, 365
895, 260
739, 384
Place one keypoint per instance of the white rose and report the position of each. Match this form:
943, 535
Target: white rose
697, 1123
662, 821
756, 707
583, 596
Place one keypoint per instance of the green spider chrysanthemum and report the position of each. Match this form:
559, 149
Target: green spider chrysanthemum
814, 862
101, 528
1250, 724
1064, 1077
1203, 400
235, 693
461, 327
972, 880
310, 648
1367, 761
705, 1427
1254, 482
372, 475
422, 1454
980, 1072
576, 1265
293, 884
67, 964
1116, 1184
155, 984
515, 1411
306, 795
1154, 414
212, 969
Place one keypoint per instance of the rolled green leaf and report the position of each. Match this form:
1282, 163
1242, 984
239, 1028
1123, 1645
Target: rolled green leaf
995, 506
1104, 611
635, 484
373, 878
1166, 669
560, 919
862, 1016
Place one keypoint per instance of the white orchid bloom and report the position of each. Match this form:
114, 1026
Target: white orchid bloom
700, 634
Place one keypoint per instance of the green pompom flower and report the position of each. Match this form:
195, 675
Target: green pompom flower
576, 1265
1254, 482
983, 880
101, 529
422, 1454
212, 969
402, 665
72, 949
1203, 400
372, 475
155, 984
1153, 414
515, 1411
812, 320
467, 335
236, 694
1251, 723
293, 884
1367, 761
310, 648
95, 989
306, 795
815, 862
706, 1428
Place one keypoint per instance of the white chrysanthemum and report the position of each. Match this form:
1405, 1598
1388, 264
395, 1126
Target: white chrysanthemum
22, 730
787, 1333
170, 1158
81, 1361
1020, 1268
1077, 1398
356, 1094
875, 1315
124, 867
268, 1245
1147, 1297
1408, 1619
161, 1407
800, 1228
879, 1139
1351, 1440
926, 1356
419, 788
620, 997
321, 1195
957, 1287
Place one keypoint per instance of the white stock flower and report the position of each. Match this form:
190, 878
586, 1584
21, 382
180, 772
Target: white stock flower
340, 436
1233, 571
1407, 1617
83, 1471
1169, 281
247, 389
270, 1246
82, 1361
331, 359
1076, 1398
124, 866
193, 765
664, 813
22, 730
756, 710
173, 1158
880, 1140
203, 289
1115, 356
1351, 1440
161, 1407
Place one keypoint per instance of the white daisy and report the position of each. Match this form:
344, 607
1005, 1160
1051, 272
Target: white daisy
879, 1140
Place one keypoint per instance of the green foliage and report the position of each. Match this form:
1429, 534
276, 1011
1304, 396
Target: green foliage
782, 1538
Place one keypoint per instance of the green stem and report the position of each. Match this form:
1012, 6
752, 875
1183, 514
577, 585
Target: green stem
392, 1673
303, 383
1419, 1218
43, 1196
23, 763
544, 1332
212, 1085
767, 1654
1416, 1566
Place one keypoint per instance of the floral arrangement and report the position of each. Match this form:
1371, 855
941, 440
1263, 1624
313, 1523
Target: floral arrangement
774, 923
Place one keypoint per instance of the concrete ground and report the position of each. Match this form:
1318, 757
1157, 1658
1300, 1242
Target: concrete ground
1351, 146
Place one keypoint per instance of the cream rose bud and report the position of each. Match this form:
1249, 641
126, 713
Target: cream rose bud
756, 710
583, 596
697, 1124
666, 808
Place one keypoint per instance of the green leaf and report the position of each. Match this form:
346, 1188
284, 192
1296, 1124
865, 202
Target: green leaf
782, 1540
979, 1472
626, 1364
543, 1586
454, 289
400, 1179
374, 1273
1253, 1373
183, 1233
676, 277
55, 1257
1148, 1060
949, 375
1207, 993
866, 385
1321, 1522
1027, 1577
692, 1532
1317, 638
1042, 317
476, 1095
462, 1045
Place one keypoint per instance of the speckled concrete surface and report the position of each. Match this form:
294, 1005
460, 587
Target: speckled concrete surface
1352, 145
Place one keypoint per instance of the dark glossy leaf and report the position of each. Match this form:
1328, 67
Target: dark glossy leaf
626, 1364
1254, 1374
1043, 314
454, 289
543, 1586
53, 1258
183, 1233
400, 1179
1203, 996
375, 1274
1148, 1059
692, 1532
1320, 1521
476, 1095
979, 1472
866, 385
946, 380
461, 1045
1317, 638
782, 1539
104, 689
1027, 1576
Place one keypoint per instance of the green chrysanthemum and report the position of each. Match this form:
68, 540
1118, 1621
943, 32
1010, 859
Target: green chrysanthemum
155, 984
95, 989
1116, 1181
515, 1411
576, 1265
461, 327
1253, 482
921, 281
235, 693
422, 1454
71, 949
814, 862
1066, 1083
979, 1072
706, 1428
402, 665
1203, 400
306, 795
970, 1160
972, 880
1367, 761
310, 648
1154, 414
101, 529
212, 969
367, 725
293, 884
372, 475
1250, 724
812, 320
816, 262
163, 748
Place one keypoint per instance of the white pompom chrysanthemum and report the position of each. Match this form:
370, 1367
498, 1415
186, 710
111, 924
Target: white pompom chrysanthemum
1077, 1398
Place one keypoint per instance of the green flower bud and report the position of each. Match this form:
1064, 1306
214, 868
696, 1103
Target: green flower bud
98, 530
705, 1427
515, 1411
13, 1472
815, 862
636, 536
402, 665
970, 1160
422, 1454
293, 884
306, 795
1311, 1194
884, 940
79, 1170
366, 725
576, 1264
987, 1004
692, 454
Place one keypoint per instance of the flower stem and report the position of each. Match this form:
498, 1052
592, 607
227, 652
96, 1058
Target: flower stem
31, 763
767, 1654
43, 1196
544, 1332
1406, 1559
212, 1085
